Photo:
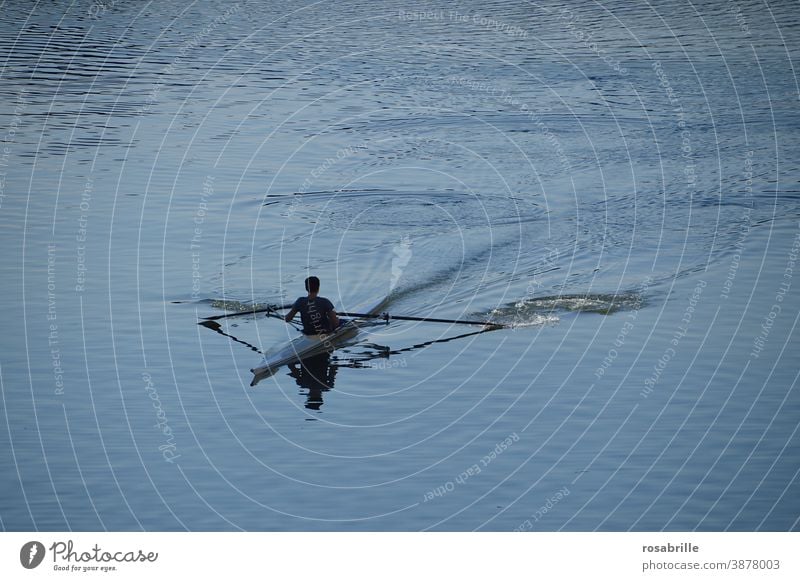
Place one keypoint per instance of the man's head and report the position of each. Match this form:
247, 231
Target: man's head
312, 284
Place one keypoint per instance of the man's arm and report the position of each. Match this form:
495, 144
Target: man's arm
333, 319
290, 315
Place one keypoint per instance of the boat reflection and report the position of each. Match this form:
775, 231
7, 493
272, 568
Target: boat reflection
317, 375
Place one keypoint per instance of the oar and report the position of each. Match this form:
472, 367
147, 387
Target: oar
387, 317
264, 310
385, 352
217, 329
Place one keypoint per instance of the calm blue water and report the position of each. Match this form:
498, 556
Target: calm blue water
620, 183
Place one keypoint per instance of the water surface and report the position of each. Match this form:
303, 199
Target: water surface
618, 183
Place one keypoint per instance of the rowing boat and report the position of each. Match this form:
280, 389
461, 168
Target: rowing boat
304, 346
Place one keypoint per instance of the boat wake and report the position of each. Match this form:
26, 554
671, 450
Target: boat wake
540, 311
236, 306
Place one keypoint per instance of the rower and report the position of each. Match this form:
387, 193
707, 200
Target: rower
316, 312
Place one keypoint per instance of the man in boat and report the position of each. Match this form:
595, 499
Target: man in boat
316, 312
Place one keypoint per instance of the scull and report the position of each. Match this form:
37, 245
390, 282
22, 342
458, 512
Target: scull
304, 346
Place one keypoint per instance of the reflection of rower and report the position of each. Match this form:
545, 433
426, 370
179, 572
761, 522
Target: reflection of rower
316, 374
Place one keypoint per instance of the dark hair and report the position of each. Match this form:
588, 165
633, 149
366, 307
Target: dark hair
312, 284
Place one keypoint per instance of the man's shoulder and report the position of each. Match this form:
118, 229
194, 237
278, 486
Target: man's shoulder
300, 302
328, 304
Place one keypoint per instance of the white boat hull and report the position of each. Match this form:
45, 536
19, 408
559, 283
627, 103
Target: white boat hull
304, 346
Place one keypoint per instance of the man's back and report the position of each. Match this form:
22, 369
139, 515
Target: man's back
314, 313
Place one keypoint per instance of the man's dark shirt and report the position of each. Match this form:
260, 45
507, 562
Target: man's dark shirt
314, 314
